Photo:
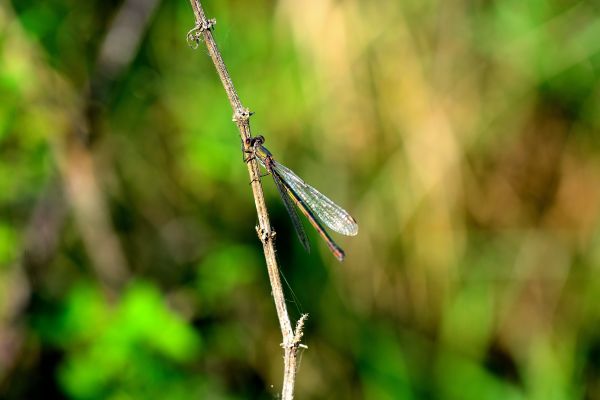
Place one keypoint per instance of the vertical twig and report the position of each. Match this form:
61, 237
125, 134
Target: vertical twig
241, 116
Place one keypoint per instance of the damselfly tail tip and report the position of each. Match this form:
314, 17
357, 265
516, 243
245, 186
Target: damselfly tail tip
339, 254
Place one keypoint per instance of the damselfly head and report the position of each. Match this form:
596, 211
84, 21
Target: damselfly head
257, 141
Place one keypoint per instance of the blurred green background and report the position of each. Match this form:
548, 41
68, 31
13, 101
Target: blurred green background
464, 136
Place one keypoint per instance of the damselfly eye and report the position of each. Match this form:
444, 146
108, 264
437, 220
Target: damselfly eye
258, 140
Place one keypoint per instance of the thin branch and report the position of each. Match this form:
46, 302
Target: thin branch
241, 116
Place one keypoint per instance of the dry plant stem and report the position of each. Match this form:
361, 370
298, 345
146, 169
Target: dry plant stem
291, 338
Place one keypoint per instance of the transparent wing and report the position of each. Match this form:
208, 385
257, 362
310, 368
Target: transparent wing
332, 215
335, 249
289, 206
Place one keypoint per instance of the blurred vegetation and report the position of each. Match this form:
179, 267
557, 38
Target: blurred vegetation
463, 136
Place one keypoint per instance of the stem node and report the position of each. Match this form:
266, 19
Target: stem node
195, 34
242, 115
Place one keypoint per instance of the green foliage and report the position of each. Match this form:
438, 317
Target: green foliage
9, 245
383, 367
137, 348
224, 271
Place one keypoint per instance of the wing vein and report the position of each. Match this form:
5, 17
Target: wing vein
324, 208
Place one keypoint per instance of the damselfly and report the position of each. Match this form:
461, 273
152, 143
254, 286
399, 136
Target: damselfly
313, 204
